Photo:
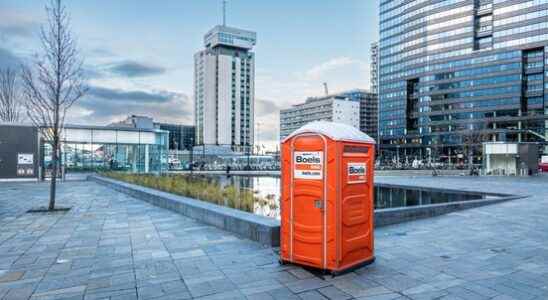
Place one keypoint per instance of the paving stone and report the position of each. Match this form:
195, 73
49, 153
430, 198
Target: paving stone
210, 287
303, 285
312, 295
114, 246
11, 276
334, 293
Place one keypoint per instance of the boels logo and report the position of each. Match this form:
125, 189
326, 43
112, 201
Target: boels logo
353, 170
302, 159
356, 173
308, 165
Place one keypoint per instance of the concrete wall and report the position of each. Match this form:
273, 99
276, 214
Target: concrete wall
18, 140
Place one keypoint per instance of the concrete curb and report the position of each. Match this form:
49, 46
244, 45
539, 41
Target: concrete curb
257, 228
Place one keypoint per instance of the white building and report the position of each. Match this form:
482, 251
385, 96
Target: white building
335, 108
224, 89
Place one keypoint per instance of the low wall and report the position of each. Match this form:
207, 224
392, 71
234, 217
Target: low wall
391, 216
257, 228
267, 230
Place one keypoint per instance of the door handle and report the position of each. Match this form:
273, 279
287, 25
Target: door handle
318, 203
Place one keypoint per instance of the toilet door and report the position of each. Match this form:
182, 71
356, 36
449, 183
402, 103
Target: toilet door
357, 204
308, 190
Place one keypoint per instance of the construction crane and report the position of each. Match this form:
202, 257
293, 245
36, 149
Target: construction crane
326, 90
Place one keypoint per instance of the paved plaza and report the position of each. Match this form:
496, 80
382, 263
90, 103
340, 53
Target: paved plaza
111, 246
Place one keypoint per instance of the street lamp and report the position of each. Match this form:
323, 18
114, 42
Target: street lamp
191, 155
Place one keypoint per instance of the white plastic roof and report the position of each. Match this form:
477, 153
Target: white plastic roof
335, 131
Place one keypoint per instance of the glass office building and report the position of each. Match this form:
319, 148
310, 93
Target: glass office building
93, 148
181, 137
454, 73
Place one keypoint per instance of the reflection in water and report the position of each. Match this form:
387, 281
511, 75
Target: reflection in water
267, 190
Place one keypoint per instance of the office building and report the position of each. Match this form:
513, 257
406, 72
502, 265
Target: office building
456, 73
374, 68
224, 89
368, 110
181, 137
334, 108
83, 148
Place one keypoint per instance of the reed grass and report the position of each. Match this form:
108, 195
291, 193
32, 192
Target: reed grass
198, 187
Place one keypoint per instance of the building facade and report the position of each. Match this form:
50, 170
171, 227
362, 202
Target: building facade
374, 68
455, 73
83, 148
334, 108
369, 112
224, 88
181, 137
19, 157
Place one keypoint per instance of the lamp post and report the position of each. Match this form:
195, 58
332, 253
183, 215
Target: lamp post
191, 155
248, 156
398, 156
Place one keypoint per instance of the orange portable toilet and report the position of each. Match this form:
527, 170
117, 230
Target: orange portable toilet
327, 197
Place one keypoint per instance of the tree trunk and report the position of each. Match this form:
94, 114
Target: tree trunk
470, 157
53, 184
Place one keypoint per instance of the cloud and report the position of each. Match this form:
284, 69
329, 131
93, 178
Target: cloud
319, 71
103, 105
266, 122
265, 107
136, 69
8, 59
17, 24
130, 96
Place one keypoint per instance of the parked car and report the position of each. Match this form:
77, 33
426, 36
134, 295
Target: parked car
543, 166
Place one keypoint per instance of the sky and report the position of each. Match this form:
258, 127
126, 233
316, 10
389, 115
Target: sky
138, 54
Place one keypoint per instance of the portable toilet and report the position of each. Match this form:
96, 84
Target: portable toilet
327, 197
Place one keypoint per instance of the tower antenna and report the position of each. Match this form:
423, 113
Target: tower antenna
224, 12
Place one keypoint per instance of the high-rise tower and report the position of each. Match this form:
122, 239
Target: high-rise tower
224, 88
456, 73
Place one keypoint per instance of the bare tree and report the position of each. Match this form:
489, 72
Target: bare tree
10, 97
473, 138
53, 83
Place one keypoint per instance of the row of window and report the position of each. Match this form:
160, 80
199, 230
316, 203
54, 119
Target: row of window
521, 29
422, 59
428, 28
519, 6
477, 93
521, 18
497, 57
472, 104
472, 72
395, 39
402, 20
470, 83
394, 47
429, 25
527, 40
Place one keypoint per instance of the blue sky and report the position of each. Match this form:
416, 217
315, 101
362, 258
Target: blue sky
140, 53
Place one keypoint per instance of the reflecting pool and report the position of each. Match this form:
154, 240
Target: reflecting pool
268, 191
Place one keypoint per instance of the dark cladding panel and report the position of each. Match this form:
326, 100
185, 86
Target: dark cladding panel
18, 151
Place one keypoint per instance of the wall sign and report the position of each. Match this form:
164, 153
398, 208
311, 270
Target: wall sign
356, 172
308, 165
25, 164
25, 159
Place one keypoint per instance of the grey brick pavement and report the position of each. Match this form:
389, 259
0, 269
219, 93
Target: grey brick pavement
111, 246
